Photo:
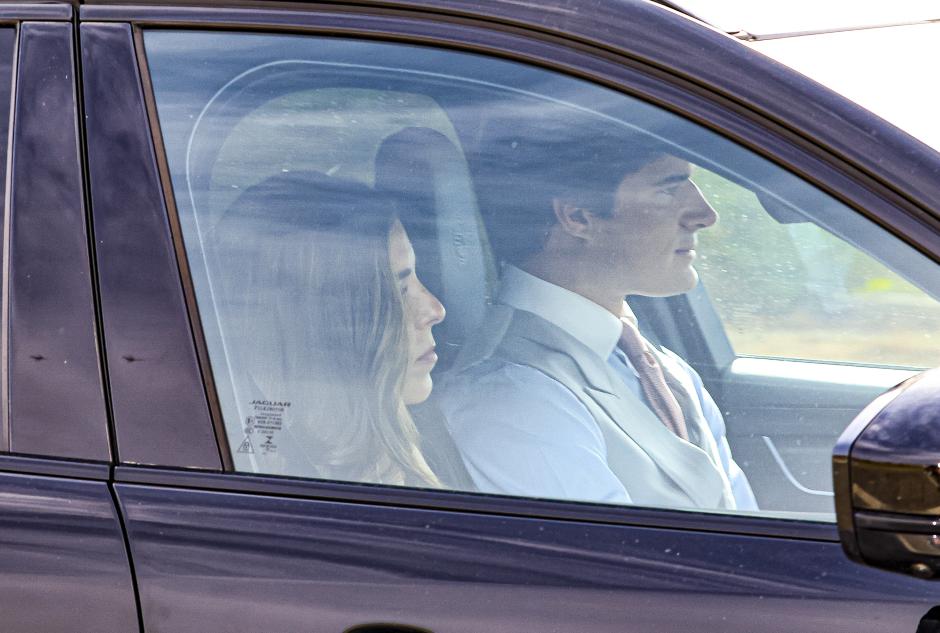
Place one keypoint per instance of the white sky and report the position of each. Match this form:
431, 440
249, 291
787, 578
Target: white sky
890, 71
784, 16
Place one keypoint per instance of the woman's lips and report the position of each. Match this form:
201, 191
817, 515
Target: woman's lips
429, 357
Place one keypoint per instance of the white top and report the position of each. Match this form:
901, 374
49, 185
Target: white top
522, 433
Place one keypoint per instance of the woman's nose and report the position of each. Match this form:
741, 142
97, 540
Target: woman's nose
431, 311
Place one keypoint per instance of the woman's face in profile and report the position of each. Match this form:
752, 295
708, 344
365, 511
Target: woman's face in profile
422, 312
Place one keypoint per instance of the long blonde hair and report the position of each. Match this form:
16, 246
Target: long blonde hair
307, 271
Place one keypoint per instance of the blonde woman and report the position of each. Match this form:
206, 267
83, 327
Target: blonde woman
324, 310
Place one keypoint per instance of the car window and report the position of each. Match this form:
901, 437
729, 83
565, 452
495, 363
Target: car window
410, 266
811, 294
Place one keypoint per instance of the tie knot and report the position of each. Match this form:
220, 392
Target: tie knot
632, 343
652, 380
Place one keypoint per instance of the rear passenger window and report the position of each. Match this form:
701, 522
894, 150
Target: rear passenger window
410, 266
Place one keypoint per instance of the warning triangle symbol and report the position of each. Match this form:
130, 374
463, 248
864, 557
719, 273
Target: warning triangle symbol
246, 447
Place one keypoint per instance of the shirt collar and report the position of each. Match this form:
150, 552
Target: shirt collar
583, 319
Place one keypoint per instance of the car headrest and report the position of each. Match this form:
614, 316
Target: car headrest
430, 179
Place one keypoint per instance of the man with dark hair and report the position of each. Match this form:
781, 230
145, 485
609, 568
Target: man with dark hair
558, 395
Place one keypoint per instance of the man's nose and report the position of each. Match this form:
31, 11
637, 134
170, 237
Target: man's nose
698, 214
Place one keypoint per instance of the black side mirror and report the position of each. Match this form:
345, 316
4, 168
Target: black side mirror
886, 471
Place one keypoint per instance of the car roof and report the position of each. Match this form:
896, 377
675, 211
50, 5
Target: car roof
644, 32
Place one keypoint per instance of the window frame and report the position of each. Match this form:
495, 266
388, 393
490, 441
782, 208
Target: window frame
60, 411
57, 415
650, 79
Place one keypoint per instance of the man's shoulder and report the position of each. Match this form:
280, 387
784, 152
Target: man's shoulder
499, 383
480, 346
516, 336
497, 395
493, 375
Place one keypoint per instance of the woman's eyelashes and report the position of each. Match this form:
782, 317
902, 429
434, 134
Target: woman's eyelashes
404, 280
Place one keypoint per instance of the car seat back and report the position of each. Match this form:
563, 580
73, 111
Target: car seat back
429, 178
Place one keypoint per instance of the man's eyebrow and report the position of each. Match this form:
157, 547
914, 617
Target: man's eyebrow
673, 179
404, 273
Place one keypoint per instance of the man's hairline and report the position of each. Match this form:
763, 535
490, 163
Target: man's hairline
659, 154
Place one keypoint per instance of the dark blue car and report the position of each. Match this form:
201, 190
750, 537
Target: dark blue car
251, 252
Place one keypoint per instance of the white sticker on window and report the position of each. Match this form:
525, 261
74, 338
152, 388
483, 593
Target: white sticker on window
263, 427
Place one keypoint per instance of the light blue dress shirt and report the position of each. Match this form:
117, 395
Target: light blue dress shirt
523, 433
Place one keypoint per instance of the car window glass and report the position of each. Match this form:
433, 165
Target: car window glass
410, 266
810, 294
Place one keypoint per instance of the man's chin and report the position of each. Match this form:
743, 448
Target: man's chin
681, 284
686, 282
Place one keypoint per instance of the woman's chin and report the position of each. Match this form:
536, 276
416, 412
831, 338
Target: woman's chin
417, 389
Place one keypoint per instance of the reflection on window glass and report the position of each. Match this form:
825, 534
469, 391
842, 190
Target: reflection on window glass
331, 130
411, 267
808, 294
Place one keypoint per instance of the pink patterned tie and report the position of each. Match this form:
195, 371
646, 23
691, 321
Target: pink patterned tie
660, 398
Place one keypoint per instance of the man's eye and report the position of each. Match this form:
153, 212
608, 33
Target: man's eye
673, 189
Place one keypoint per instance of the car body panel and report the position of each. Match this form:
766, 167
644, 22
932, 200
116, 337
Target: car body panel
287, 563
211, 550
63, 542
278, 556
57, 404
157, 398
64, 565
48, 12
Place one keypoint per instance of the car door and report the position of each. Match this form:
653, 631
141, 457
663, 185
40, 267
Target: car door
63, 544
219, 537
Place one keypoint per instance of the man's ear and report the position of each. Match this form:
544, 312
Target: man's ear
573, 219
